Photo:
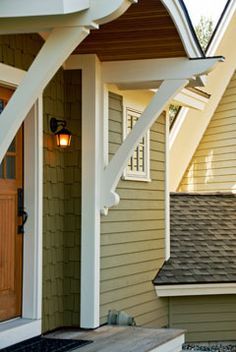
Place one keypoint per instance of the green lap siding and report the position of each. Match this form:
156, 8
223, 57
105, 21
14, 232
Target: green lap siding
61, 186
132, 235
205, 318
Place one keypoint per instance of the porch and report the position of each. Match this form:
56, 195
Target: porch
123, 338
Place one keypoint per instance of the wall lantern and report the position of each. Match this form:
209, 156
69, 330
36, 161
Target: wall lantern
63, 136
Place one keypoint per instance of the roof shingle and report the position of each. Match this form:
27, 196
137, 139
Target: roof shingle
203, 239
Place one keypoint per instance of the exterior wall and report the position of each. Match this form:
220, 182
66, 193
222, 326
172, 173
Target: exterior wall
206, 318
72, 200
61, 204
62, 198
132, 235
213, 166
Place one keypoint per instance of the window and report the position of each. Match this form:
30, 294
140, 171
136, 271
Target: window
138, 166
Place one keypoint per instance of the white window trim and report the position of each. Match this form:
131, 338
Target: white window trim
128, 176
29, 325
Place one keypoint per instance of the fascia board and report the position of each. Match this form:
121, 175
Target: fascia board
195, 289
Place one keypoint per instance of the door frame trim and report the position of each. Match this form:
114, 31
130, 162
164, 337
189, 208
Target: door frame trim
14, 331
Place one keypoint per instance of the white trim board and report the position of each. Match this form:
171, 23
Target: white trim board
18, 330
29, 325
195, 290
191, 99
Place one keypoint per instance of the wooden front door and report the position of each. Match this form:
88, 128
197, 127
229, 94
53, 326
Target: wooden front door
11, 243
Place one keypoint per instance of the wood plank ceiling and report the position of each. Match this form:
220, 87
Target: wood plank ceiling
144, 31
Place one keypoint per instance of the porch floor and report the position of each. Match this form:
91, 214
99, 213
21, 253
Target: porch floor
127, 339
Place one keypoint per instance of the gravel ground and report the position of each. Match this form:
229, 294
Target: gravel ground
213, 347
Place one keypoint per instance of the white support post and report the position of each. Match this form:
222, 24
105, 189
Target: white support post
113, 171
167, 188
54, 52
105, 136
92, 163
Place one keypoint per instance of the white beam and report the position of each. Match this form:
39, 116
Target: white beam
56, 49
191, 99
23, 8
139, 72
99, 12
113, 171
10, 74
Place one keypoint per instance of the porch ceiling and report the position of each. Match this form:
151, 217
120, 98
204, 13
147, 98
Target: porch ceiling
144, 31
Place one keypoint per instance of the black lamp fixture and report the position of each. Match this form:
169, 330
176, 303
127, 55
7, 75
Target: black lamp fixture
63, 136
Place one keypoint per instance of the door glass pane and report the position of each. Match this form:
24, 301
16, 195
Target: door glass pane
12, 147
10, 167
1, 170
1, 105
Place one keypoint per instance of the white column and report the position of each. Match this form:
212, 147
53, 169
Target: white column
167, 188
92, 162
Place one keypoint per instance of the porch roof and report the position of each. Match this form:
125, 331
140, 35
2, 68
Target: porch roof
203, 240
145, 31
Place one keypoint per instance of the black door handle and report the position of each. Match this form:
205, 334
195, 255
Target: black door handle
24, 215
21, 212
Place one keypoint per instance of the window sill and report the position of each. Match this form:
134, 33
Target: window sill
136, 178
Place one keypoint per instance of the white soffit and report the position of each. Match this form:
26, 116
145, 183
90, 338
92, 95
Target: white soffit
195, 290
24, 8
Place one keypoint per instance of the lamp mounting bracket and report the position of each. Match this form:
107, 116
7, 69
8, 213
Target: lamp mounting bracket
55, 123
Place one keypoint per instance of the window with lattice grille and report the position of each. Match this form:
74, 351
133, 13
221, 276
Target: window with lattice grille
138, 166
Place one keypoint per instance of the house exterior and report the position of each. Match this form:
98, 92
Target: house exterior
198, 279
97, 211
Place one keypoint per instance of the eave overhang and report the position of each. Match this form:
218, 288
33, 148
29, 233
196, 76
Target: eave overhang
180, 17
22, 8
198, 289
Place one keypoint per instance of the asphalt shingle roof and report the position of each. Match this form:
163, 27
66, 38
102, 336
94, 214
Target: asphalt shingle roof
203, 240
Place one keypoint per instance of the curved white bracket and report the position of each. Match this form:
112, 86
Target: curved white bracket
108, 10
54, 52
113, 171
175, 74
